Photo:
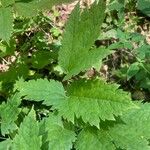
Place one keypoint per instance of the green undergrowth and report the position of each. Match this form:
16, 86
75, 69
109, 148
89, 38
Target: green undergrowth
48, 101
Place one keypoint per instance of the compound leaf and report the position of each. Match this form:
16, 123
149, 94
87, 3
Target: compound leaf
94, 100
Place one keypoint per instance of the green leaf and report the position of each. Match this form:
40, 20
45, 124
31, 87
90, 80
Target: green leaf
16, 71
145, 83
134, 132
6, 3
30, 8
7, 49
57, 137
28, 134
133, 70
41, 59
80, 34
144, 6
91, 96
131, 133
92, 139
95, 140
94, 100
5, 145
143, 51
50, 92
9, 112
116, 5
6, 23
26, 8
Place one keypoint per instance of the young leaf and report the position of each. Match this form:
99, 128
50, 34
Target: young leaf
9, 112
50, 92
28, 134
58, 138
80, 34
94, 100
6, 23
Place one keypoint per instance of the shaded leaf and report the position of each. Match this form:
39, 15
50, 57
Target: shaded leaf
9, 112
57, 136
6, 23
133, 70
144, 6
